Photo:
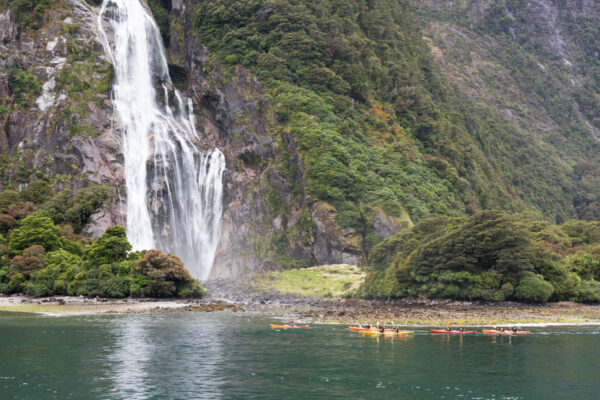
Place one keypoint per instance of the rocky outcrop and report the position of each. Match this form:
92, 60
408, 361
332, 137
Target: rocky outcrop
64, 128
334, 245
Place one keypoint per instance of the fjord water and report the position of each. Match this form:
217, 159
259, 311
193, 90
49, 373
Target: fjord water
237, 356
174, 191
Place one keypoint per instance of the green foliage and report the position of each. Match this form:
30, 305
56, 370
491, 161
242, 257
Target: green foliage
533, 289
28, 13
76, 207
166, 276
109, 248
104, 268
489, 256
24, 86
160, 11
34, 230
37, 192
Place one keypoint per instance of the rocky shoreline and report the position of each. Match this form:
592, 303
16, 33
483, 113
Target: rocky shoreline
236, 297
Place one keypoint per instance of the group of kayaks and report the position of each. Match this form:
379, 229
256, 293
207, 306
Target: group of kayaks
372, 330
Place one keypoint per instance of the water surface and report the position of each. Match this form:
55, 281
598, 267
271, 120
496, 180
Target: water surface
236, 356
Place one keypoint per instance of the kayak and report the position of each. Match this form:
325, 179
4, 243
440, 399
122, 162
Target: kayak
387, 333
359, 329
495, 332
450, 332
289, 326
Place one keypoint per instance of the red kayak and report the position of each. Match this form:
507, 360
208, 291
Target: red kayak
495, 332
450, 332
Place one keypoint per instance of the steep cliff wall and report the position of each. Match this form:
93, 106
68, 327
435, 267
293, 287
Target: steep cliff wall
56, 118
341, 125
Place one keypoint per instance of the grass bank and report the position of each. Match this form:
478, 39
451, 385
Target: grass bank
336, 281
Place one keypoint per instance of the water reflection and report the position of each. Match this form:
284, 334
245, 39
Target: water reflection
151, 350
130, 359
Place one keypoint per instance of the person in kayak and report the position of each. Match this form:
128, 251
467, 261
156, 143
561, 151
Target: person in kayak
502, 329
292, 323
448, 328
381, 328
514, 329
462, 329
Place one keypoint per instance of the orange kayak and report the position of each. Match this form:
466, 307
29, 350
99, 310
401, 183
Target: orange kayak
360, 329
289, 326
495, 332
443, 331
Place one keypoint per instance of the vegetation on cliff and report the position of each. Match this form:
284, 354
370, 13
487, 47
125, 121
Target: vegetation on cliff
40, 258
489, 256
376, 124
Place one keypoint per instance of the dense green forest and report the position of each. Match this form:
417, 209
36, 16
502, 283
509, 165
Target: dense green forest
489, 256
43, 253
377, 124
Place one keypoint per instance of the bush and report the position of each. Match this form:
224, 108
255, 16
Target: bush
533, 289
589, 292
34, 230
111, 247
8, 198
37, 192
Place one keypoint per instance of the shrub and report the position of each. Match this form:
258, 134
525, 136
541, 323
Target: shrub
534, 289
37, 192
111, 247
589, 292
8, 198
34, 230
7, 222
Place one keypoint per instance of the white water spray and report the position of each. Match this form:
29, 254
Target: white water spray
174, 191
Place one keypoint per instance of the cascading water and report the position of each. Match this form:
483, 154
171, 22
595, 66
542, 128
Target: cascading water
174, 191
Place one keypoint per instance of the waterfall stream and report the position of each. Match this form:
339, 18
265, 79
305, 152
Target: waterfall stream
174, 190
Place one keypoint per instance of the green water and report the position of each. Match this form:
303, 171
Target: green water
234, 356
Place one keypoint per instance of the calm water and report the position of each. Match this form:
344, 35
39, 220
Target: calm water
229, 356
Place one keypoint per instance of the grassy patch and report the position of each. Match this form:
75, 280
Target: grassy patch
324, 281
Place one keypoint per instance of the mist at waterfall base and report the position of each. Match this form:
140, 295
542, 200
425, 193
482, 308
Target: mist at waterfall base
237, 356
174, 191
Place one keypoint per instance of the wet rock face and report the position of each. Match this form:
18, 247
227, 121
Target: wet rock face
334, 245
59, 128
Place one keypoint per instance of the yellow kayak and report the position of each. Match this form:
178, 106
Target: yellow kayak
289, 326
387, 333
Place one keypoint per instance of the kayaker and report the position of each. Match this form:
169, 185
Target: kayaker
448, 328
462, 329
382, 328
397, 330
502, 329
514, 329
292, 323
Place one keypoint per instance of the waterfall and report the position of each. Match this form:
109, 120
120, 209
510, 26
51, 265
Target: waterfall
174, 190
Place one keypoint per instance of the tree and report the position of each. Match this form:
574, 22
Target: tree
167, 276
111, 247
37, 192
32, 230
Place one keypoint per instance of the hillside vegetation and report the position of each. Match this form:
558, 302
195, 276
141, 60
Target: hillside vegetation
489, 256
377, 123
39, 258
